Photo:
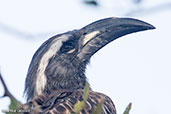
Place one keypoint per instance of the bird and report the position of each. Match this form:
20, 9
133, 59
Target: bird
56, 75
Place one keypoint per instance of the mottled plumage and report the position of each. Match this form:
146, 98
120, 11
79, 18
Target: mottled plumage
56, 75
62, 102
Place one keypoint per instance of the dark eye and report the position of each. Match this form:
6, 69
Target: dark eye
67, 46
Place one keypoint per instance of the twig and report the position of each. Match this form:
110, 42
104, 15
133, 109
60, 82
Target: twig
146, 11
7, 93
23, 34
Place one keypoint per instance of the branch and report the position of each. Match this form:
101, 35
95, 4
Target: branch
22, 34
146, 11
7, 93
15, 104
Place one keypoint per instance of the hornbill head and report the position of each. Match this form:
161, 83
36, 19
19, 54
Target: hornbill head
60, 62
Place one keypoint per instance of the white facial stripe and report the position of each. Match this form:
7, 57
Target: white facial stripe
41, 76
90, 36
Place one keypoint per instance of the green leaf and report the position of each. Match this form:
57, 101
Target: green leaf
79, 106
15, 105
128, 108
98, 109
82, 104
86, 91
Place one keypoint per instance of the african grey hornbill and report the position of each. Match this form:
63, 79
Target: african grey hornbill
56, 75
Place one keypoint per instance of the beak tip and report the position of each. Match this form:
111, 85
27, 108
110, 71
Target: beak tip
146, 25
149, 26
136, 23
153, 27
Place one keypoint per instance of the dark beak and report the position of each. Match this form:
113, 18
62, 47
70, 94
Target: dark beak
98, 34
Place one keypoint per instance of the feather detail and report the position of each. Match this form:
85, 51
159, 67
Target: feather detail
63, 101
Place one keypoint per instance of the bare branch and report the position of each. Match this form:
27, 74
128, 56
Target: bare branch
7, 93
22, 34
146, 11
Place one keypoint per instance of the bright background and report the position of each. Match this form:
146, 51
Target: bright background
134, 68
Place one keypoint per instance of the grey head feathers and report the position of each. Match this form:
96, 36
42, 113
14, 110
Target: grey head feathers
60, 62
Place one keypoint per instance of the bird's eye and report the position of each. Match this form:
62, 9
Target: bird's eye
67, 46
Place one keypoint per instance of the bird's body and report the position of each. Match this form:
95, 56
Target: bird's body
63, 101
56, 75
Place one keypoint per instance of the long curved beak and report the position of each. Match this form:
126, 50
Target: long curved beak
98, 34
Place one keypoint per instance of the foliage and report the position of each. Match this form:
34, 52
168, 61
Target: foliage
98, 109
15, 106
81, 105
128, 108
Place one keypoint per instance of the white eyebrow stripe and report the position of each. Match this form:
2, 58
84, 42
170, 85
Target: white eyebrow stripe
89, 36
41, 76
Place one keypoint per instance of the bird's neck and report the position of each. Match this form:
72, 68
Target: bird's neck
66, 77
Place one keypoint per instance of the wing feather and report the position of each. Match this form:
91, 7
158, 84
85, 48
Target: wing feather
62, 102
